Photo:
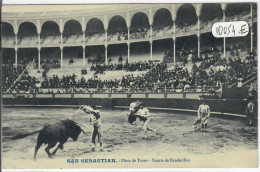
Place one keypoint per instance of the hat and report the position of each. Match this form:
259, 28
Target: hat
81, 106
203, 100
250, 98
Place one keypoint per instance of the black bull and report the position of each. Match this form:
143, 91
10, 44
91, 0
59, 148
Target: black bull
51, 134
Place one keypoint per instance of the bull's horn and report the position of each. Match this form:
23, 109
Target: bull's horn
83, 131
80, 124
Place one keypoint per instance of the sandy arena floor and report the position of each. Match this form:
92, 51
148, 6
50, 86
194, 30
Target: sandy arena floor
225, 139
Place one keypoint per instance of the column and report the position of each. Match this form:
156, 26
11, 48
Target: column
61, 48
106, 53
150, 18
198, 35
198, 46
61, 38
16, 51
84, 56
174, 15
83, 46
174, 50
151, 32
128, 44
15, 27
251, 39
106, 45
151, 42
39, 58
224, 39
61, 42
61, 31
61, 56
39, 39
151, 50
128, 24
106, 36
39, 45
174, 40
128, 52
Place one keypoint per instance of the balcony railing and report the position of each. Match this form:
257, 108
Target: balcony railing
99, 40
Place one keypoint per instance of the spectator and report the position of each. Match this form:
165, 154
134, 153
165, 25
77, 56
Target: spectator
239, 84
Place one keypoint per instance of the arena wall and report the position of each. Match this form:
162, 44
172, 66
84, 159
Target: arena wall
188, 102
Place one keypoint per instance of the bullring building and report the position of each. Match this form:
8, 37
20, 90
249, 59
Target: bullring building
48, 42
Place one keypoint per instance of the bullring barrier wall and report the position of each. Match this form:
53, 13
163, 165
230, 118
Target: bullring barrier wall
188, 102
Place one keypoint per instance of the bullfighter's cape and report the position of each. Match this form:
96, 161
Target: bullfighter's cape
132, 116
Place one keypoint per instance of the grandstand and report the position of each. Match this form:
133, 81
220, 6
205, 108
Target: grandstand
123, 40
161, 56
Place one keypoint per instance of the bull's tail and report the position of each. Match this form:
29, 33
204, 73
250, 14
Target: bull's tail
20, 136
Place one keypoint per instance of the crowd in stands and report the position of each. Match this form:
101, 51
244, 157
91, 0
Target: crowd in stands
98, 59
122, 36
139, 33
191, 55
11, 73
46, 63
213, 72
208, 55
228, 71
56, 82
213, 59
186, 25
223, 73
137, 66
23, 62
26, 82
51, 64
119, 36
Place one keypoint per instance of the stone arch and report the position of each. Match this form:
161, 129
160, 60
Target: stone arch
162, 18
51, 27
7, 29
117, 24
211, 11
76, 30
186, 15
139, 20
94, 26
27, 29
113, 16
234, 9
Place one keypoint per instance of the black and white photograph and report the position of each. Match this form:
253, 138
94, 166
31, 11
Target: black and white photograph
134, 85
